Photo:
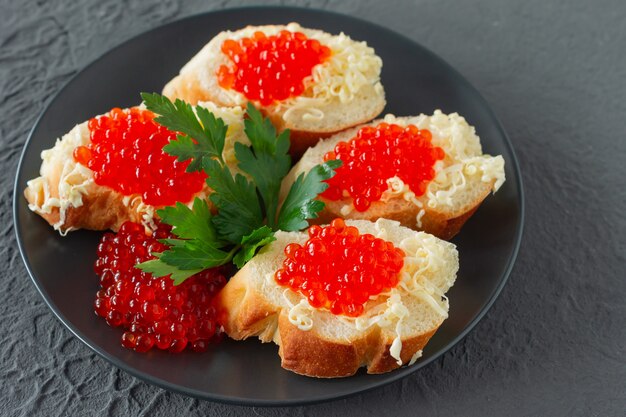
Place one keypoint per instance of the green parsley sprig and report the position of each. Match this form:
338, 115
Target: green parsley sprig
248, 211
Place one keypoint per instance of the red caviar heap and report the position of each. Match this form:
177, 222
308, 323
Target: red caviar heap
153, 311
126, 154
270, 68
377, 154
339, 269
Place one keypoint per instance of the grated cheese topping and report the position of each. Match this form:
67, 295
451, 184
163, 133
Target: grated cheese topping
300, 314
415, 357
62, 182
464, 159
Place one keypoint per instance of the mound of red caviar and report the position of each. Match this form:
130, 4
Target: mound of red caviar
270, 68
377, 154
153, 311
126, 154
340, 269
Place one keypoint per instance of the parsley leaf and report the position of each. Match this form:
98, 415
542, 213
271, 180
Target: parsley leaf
195, 254
267, 161
200, 139
258, 238
188, 223
300, 203
159, 268
172, 242
239, 209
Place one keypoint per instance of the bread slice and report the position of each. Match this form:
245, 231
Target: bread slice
392, 331
463, 179
67, 197
343, 91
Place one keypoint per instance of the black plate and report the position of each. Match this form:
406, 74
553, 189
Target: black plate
248, 372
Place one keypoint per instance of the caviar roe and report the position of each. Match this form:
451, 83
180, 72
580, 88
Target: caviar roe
340, 269
126, 154
153, 311
270, 68
377, 154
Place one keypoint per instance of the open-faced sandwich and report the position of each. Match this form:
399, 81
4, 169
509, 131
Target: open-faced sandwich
305, 80
343, 296
427, 172
113, 169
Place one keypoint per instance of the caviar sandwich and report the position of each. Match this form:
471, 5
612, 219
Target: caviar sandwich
113, 169
343, 296
308, 81
428, 172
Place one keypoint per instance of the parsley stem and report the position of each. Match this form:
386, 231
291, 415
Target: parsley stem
271, 213
232, 253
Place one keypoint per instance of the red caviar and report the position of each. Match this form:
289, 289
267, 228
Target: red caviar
377, 154
339, 269
153, 311
126, 154
270, 68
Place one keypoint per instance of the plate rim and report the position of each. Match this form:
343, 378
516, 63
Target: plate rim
240, 401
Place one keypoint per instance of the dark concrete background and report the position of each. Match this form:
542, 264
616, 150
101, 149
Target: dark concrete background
554, 343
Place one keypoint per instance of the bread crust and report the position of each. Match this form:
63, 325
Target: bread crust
102, 209
444, 225
306, 353
244, 313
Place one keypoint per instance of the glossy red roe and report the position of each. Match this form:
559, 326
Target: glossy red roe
154, 312
270, 68
377, 154
340, 269
126, 154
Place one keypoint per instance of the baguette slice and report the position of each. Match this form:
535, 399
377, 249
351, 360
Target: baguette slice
343, 91
67, 197
463, 179
392, 331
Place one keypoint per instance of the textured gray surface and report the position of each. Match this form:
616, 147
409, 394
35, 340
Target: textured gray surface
554, 342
